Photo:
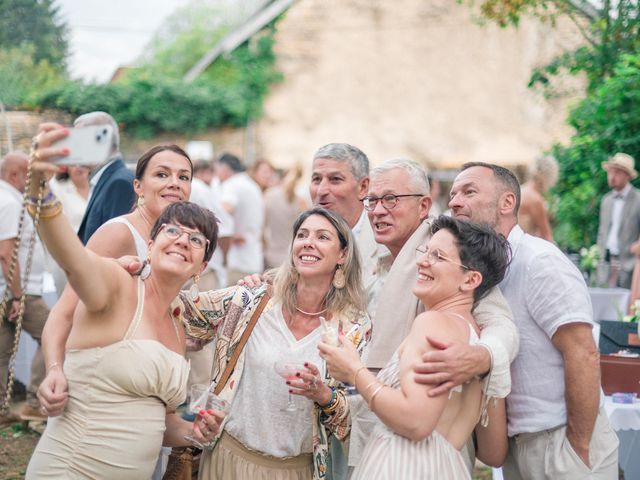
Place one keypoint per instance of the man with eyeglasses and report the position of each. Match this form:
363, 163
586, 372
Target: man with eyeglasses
397, 204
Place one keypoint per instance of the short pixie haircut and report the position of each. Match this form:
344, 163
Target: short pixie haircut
481, 249
193, 216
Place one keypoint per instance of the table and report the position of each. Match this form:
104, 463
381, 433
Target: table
609, 303
625, 420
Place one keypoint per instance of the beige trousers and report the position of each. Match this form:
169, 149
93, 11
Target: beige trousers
35, 316
548, 455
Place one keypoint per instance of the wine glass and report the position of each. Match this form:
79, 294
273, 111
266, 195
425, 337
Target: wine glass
288, 370
201, 398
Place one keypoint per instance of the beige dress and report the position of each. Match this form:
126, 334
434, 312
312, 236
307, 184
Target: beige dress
113, 424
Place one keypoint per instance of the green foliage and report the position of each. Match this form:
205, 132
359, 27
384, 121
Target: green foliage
36, 24
146, 103
606, 121
21, 78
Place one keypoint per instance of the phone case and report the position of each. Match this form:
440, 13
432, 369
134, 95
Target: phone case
90, 145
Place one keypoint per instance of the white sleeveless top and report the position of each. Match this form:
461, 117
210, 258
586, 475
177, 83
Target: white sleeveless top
255, 417
142, 250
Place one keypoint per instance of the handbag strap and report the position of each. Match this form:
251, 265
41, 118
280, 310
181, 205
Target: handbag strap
243, 340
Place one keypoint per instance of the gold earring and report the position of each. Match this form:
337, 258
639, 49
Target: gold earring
338, 278
141, 201
194, 290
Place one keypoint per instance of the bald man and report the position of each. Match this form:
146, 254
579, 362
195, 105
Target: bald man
13, 177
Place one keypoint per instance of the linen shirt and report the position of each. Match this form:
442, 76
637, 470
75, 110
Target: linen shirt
545, 291
10, 207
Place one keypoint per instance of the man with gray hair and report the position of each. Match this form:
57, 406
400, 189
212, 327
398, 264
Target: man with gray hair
397, 204
111, 184
339, 180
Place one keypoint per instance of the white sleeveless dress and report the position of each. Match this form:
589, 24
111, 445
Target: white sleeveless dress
114, 422
142, 249
388, 455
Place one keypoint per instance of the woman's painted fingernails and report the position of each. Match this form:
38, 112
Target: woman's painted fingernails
210, 412
202, 411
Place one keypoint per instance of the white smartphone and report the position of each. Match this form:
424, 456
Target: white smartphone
90, 145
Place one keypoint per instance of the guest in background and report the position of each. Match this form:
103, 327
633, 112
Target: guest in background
282, 206
242, 199
533, 217
262, 173
619, 223
13, 178
111, 184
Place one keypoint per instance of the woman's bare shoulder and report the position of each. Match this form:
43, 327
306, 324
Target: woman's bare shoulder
112, 240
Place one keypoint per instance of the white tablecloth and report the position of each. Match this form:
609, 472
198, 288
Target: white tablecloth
625, 420
609, 303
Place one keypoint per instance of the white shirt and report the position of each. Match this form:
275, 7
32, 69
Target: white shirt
209, 197
245, 198
613, 243
10, 207
545, 291
255, 417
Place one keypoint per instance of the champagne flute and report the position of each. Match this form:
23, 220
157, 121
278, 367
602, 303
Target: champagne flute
201, 398
288, 370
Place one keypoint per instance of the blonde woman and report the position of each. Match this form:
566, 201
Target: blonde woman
321, 278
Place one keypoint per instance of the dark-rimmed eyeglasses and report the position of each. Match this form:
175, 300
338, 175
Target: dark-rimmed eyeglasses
434, 256
174, 232
388, 201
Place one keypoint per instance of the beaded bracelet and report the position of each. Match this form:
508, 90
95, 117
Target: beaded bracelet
333, 403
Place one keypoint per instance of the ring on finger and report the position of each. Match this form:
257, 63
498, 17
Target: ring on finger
43, 410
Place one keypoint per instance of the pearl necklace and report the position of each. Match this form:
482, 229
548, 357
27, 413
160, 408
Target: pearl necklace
311, 314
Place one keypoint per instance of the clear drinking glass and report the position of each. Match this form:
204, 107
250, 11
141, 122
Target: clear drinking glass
202, 398
287, 370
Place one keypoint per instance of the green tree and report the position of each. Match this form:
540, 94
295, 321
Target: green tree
21, 79
34, 23
607, 120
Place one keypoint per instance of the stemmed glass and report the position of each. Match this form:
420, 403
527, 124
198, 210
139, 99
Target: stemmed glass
287, 370
202, 398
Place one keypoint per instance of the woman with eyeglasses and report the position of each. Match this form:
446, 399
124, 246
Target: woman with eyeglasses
418, 436
125, 361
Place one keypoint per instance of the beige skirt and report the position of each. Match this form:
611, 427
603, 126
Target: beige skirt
231, 460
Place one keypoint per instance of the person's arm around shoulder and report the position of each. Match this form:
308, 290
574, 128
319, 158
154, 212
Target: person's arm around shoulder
582, 383
446, 365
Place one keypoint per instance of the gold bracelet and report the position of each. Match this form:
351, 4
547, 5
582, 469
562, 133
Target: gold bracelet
373, 395
355, 376
46, 211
